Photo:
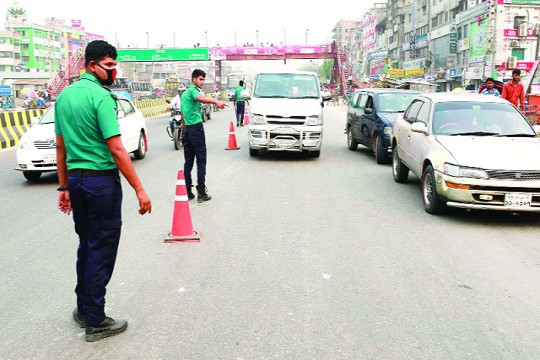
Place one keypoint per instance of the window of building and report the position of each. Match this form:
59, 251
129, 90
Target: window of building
465, 31
519, 53
434, 22
518, 20
459, 36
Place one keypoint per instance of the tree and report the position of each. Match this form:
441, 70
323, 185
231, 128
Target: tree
325, 71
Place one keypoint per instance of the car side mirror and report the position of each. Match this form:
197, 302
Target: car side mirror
120, 114
419, 127
368, 111
536, 129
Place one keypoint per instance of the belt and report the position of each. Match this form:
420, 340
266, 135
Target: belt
89, 173
197, 124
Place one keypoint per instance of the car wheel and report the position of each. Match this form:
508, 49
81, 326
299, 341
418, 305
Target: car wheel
208, 113
379, 150
253, 152
351, 143
32, 175
432, 202
399, 170
140, 153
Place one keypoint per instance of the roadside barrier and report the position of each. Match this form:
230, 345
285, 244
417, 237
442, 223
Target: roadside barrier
152, 107
232, 139
182, 227
13, 125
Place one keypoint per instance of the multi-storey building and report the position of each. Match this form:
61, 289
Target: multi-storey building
516, 29
10, 51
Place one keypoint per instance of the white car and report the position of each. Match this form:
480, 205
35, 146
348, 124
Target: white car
470, 151
36, 152
286, 113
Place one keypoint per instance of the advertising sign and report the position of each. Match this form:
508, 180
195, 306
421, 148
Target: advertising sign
135, 55
478, 39
5, 89
395, 73
414, 72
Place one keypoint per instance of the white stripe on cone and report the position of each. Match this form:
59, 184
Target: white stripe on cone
181, 182
181, 198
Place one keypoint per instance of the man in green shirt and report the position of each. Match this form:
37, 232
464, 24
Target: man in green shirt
239, 104
89, 154
194, 138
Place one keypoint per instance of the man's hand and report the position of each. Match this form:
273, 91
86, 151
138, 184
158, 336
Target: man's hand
221, 104
144, 202
64, 202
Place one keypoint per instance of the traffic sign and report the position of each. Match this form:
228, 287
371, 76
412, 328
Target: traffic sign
139, 55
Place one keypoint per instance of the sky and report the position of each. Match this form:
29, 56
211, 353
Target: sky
184, 23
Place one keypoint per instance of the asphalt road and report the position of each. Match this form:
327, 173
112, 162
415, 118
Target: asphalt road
300, 258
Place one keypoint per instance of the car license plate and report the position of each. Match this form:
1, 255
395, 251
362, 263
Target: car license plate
285, 144
49, 158
518, 199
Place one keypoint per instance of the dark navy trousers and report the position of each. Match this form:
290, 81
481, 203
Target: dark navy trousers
240, 109
195, 148
96, 202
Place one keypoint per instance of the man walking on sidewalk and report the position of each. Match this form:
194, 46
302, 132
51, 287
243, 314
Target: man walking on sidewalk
513, 90
194, 138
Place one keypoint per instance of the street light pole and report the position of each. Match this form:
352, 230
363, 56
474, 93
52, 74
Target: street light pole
306, 35
256, 37
206, 37
147, 40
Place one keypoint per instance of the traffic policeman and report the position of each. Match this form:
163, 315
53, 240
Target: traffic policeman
90, 155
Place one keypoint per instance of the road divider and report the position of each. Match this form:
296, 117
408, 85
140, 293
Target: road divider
152, 107
13, 125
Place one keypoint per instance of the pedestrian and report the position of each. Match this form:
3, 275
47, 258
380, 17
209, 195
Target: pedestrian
513, 90
490, 90
239, 104
90, 155
176, 105
194, 139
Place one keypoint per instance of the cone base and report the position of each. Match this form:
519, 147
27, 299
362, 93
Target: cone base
233, 148
195, 237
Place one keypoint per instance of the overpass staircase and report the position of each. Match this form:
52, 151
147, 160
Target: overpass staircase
61, 80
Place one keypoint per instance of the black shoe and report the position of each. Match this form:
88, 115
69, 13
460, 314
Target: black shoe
202, 195
79, 318
190, 195
109, 327
237, 124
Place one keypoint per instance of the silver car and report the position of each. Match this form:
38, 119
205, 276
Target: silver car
470, 151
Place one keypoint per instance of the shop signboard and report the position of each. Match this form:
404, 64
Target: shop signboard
414, 72
478, 39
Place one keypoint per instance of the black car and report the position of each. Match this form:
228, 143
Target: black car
370, 116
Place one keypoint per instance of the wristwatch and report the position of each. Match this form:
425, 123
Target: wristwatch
62, 188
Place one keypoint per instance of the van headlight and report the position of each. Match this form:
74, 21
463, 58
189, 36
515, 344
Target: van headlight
26, 143
461, 171
315, 120
258, 119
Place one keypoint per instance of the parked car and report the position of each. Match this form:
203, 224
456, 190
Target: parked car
36, 152
470, 151
286, 113
370, 116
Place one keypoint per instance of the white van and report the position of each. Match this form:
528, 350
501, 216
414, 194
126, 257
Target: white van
286, 113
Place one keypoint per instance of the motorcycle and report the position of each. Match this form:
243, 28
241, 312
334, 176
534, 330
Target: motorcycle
175, 130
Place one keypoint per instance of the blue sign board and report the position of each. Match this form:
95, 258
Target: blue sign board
5, 89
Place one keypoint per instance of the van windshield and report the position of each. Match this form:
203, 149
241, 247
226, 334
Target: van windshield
291, 86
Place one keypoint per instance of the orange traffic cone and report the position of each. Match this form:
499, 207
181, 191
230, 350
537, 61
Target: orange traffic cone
246, 117
182, 228
232, 139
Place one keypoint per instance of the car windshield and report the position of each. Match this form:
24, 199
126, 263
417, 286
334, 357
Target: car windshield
48, 117
467, 118
292, 86
395, 102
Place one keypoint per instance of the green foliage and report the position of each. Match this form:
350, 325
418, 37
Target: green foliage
325, 71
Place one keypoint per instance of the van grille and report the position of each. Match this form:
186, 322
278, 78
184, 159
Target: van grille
513, 175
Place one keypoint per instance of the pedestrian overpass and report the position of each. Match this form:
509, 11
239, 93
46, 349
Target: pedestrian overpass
341, 71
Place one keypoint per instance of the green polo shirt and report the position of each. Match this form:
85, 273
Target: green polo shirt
85, 116
191, 108
238, 92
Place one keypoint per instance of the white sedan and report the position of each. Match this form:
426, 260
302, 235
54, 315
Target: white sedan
36, 152
470, 151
